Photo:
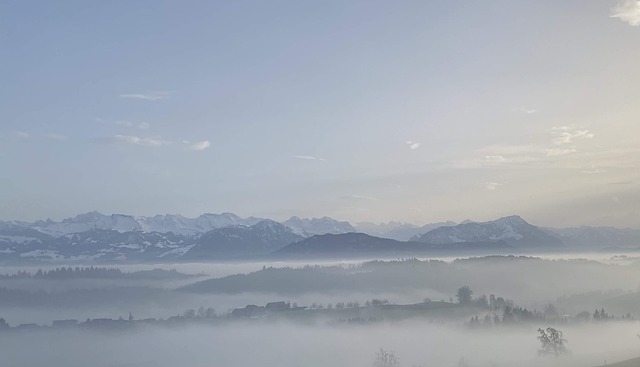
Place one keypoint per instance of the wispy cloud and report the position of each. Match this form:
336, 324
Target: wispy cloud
593, 171
138, 125
155, 142
569, 134
21, 134
309, 158
526, 111
526, 154
492, 186
506, 149
149, 96
360, 197
628, 11
54, 136
555, 152
413, 145
198, 145
136, 140
494, 159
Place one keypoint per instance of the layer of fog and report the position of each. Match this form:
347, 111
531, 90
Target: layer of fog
221, 269
415, 343
144, 303
574, 286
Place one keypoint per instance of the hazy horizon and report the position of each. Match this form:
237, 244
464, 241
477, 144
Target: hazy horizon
282, 219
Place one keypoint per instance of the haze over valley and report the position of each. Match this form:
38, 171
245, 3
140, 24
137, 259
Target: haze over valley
320, 183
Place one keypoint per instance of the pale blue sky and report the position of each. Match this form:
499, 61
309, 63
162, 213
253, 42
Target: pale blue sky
416, 111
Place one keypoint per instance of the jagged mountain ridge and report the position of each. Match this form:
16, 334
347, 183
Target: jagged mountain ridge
397, 230
127, 223
260, 239
107, 245
94, 236
174, 223
309, 227
513, 230
360, 244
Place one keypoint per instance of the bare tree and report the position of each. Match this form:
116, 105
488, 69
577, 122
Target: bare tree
385, 359
552, 341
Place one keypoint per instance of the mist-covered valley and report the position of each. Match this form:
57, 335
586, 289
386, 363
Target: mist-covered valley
415, 343
121, 290
333, 313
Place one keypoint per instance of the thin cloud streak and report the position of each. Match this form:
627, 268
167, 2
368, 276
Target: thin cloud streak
138, 125
199, 145
555, 152
569, 134
150, 96
527, 111
136, 140
154, 142
593, 171
309, 158
505, 149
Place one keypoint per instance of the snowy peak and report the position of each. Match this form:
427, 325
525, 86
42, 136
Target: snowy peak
89, 221
315, 226
397, 230
360, 244
382, 229
89, 217
268, 225
259, 239
513, 229
513, 220
107, 245
166, 223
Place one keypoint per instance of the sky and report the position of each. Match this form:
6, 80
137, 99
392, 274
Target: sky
413, 111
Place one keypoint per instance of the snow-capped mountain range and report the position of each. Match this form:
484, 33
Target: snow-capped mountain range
315, 226
397, 230
176, 224
20, 244
513, 230
113, 238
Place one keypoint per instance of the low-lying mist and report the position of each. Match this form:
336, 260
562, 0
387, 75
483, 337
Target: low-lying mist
282, 344
323, 335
